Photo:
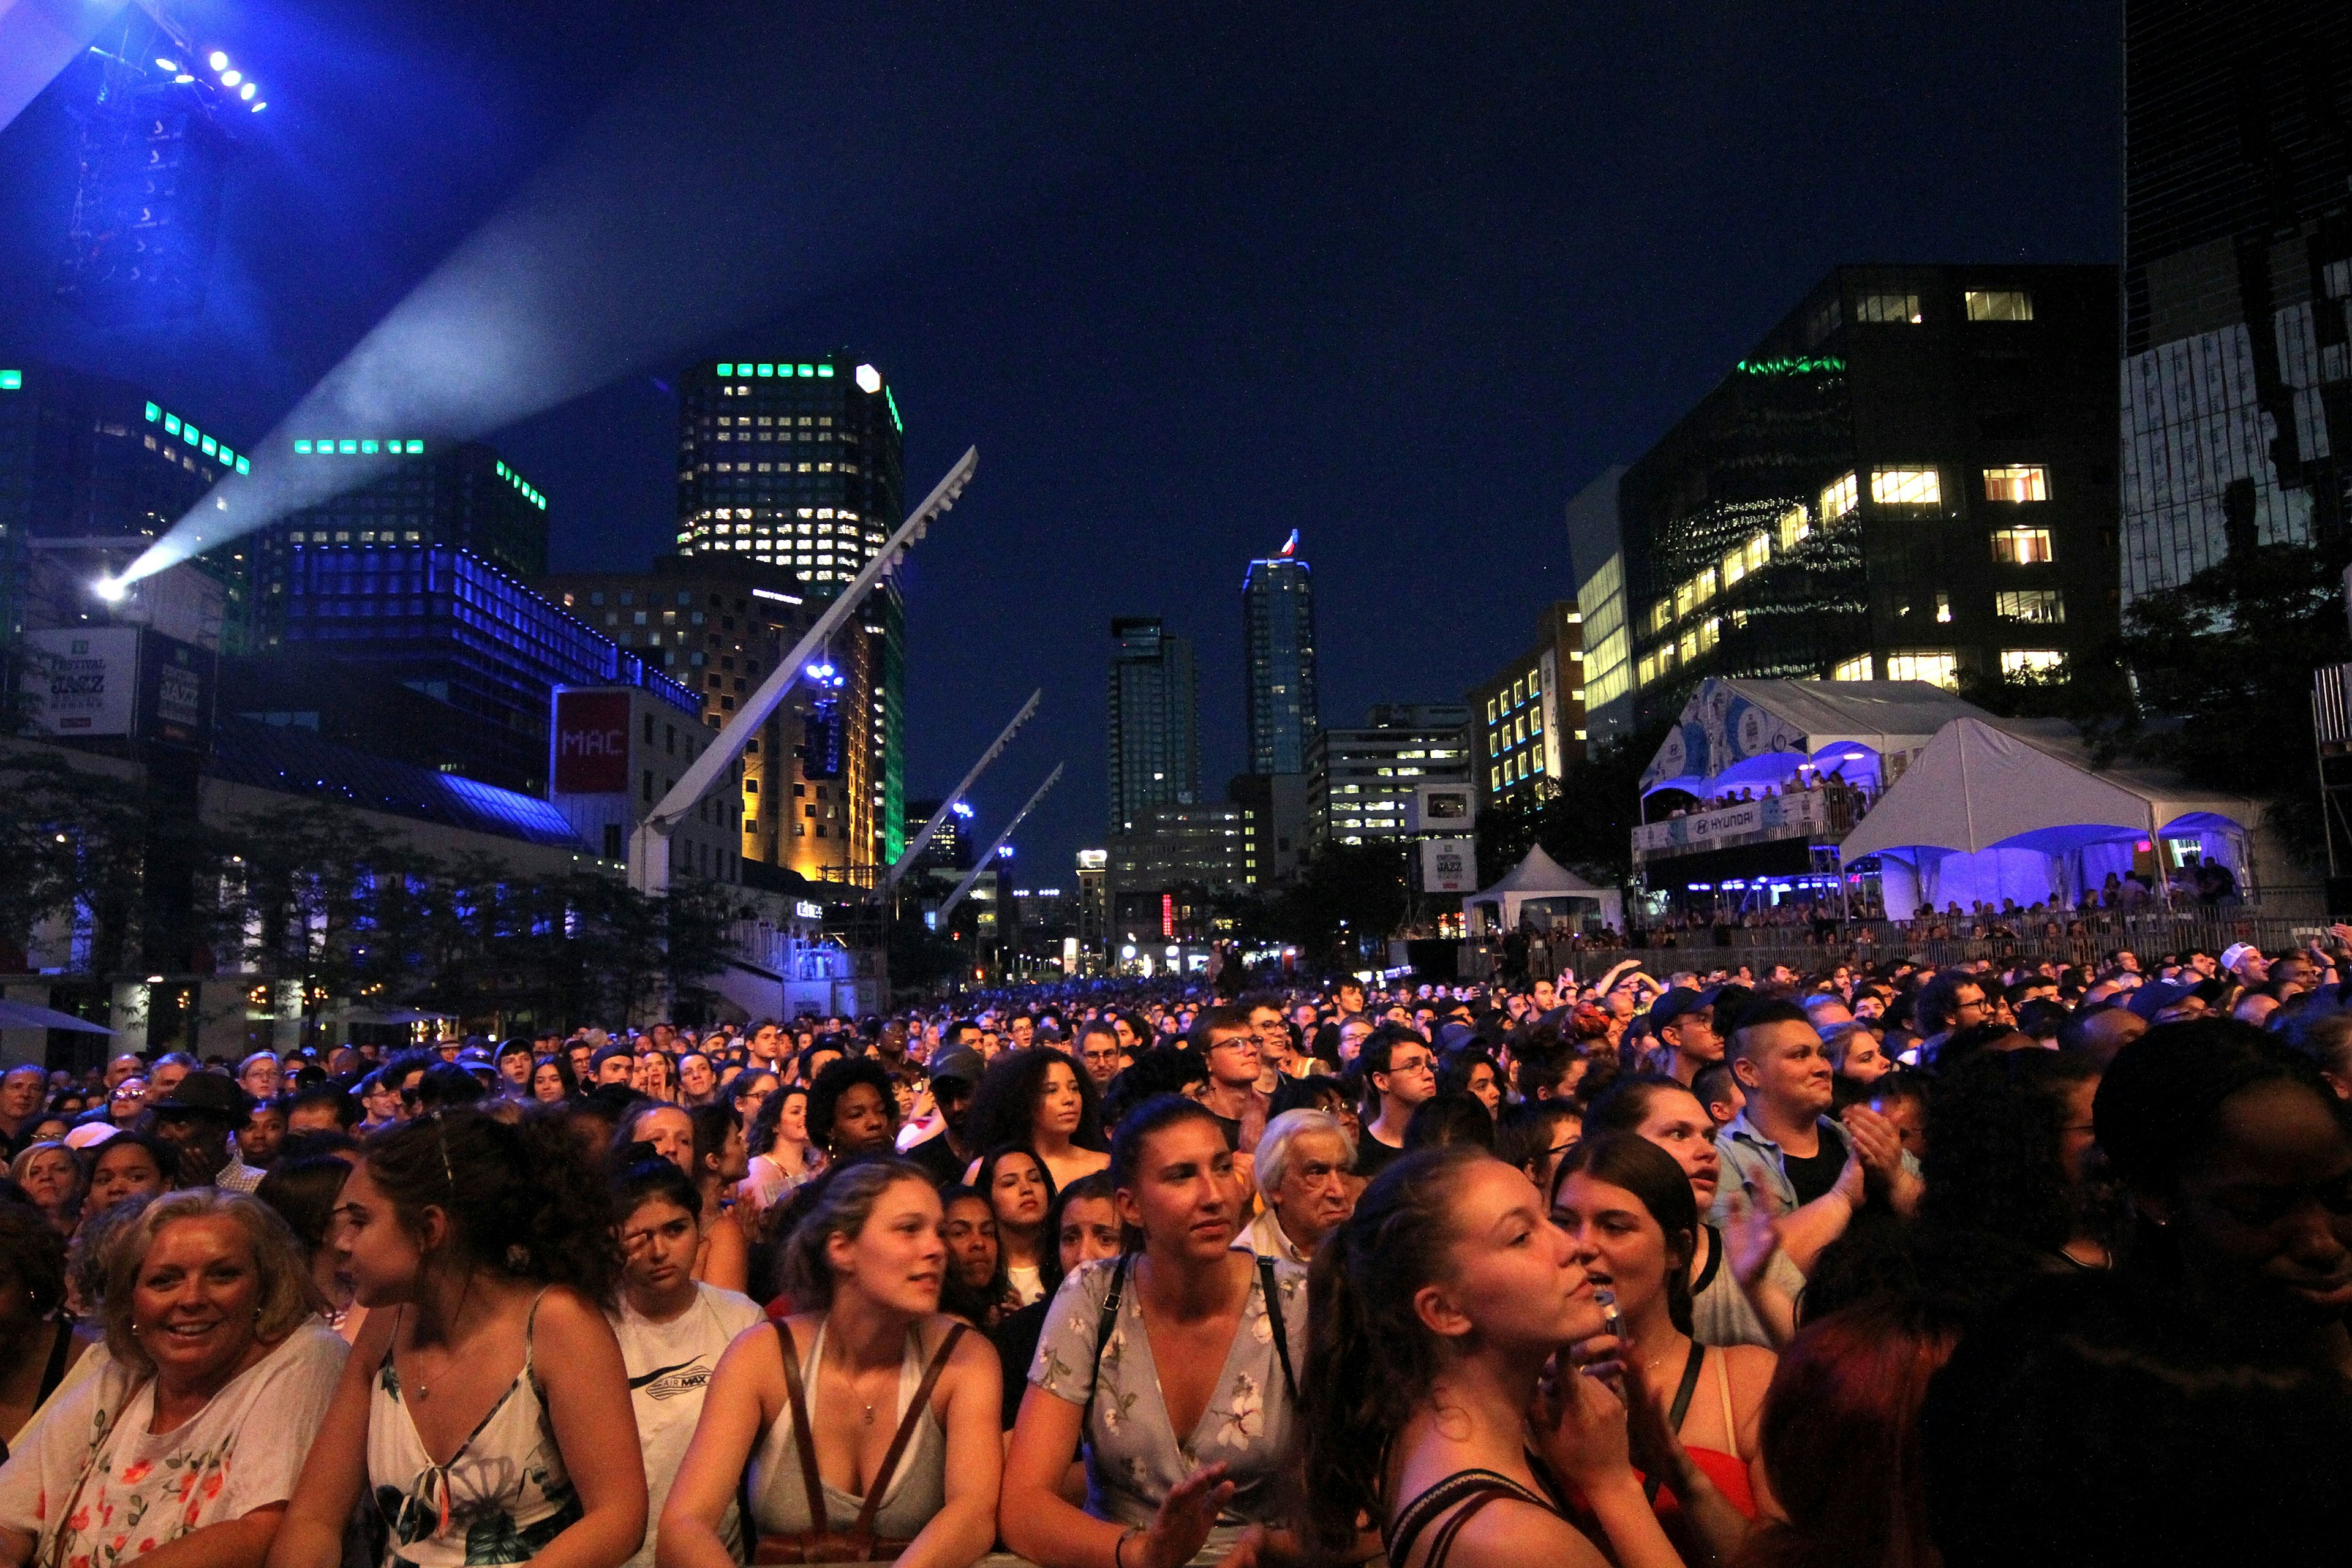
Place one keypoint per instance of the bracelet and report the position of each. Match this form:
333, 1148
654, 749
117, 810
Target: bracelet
1118, 1553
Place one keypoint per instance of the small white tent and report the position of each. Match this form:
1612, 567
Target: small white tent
1998, 809
1554, 891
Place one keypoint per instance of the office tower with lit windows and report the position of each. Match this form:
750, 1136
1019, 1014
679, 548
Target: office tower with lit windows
1911, 478
89, 457
1154, 711
797, 465
2237, 384
1529, 718
458, 494
1360, 781
719, 626
1278, 659
1596, 551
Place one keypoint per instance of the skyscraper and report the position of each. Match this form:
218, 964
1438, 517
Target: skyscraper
2237, 393
1910, 478
1155, 745
1278, 659
798, 465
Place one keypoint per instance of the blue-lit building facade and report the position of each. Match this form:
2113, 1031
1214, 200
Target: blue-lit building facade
90, 458
418, 491
429, 654
1278, 661
1154, 727
798, 465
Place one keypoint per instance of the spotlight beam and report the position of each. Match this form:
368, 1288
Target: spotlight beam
650, 844
38, 39
609, 260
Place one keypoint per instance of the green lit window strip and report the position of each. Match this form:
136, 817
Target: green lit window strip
14, 381
212, 446
1791, 364
731, 369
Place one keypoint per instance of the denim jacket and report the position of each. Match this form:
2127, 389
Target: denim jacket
1753, 1163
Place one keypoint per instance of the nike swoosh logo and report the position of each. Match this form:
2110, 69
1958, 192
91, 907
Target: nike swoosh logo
660, 1372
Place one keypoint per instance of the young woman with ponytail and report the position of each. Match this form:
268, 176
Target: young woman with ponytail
1438, 1311
484, 1412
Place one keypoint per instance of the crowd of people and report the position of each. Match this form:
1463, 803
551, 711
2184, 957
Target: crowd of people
1880, 1267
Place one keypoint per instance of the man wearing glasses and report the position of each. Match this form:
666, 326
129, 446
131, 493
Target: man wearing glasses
1399, 1077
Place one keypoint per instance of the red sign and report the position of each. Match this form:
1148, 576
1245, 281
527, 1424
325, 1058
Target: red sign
592, 743
1166, 914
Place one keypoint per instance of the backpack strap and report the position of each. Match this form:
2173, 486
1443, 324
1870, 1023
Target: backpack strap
803, 1438
880, 1482
1273, 1317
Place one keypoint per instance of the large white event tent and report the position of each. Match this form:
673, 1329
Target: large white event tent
1554, 891
1735, 733
1994, 809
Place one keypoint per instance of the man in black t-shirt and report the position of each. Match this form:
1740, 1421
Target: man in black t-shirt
944, 1154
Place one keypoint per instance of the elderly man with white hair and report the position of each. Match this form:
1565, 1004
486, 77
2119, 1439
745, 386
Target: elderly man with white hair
1304, 1161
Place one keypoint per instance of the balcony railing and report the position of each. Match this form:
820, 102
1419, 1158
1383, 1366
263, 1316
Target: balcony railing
1801, 813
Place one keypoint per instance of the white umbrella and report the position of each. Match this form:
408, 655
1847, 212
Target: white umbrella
25, 1015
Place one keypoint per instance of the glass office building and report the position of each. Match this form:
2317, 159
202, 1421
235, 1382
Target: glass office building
1155, 720
1278, 661
798, 464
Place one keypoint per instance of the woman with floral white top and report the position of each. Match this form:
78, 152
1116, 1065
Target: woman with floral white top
1174, 1364
185, 1450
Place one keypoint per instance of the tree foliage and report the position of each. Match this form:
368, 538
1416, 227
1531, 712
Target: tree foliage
1585, 820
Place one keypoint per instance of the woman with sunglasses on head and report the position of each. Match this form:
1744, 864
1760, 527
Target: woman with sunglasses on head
484, 1412
1438, 1308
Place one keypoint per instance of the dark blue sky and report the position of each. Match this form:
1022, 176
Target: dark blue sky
1402, 277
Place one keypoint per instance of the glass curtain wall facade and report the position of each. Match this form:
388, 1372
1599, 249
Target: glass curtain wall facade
1154, 712
2237, 386
86, 457
1278, 661
799, 465
1910, 478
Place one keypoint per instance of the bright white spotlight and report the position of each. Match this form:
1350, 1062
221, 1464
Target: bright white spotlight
167, 65
230, 79
259, 107
110, 589
247, 93
869, 380
220, 60
183, 79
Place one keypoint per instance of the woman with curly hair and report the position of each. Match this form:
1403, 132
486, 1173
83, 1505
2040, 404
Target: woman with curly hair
852, 1109
485, 1410
1042, 1100
37, 1342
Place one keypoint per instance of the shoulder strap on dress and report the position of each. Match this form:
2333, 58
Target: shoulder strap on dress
879, 1482
1723, 1392
1471, 1488
803, 1438
1683, 1392
1273, 1320
1104, 1324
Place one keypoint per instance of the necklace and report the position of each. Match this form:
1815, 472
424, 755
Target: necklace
420, 1391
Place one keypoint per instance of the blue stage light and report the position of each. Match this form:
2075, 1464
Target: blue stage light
230, 79
219, 59
259, 107
247, 91
167, 65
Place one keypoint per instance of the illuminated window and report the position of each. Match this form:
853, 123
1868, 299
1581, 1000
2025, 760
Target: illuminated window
1937, 669
2022, 546
1660, 614
1704, 586
1688, 647
1999, 304
2030, 660
1794, 527
1852, 669
2019, 481
1839, 496
1709, 631
1490, 710
1944, 609
1900, 309
1905, 486
1494, 778
1647, 670
1760, 552
2043, 606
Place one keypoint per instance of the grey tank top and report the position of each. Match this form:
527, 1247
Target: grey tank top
916, 1493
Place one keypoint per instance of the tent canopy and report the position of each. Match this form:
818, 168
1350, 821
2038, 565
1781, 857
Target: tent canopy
1538, 880
1735, 731
25, 1015
1984, 784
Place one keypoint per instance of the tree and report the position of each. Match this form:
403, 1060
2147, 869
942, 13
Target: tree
1585, 820
1348, 891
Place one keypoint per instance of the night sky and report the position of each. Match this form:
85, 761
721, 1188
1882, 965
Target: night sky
1404, 279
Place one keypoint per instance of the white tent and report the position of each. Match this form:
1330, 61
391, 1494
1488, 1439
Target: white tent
1734, 732
1554, 890
1996, 809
